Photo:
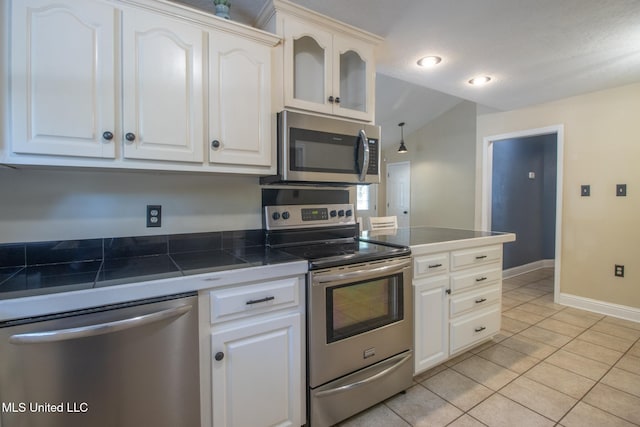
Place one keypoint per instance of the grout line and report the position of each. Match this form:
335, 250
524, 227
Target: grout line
539, 361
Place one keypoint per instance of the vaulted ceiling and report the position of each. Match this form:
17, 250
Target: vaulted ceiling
534, 50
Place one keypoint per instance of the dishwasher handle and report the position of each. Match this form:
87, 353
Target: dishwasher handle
98, 329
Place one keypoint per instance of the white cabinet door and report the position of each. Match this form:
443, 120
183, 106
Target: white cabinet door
308, 66
162, 88
431, 322
62, 77
353, 78
257, 381
327, 73
239, 102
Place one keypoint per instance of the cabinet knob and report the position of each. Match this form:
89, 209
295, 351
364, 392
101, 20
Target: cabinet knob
331, 99
219, 356
448, 291
337, 100
130, 136
108, 136
215, 144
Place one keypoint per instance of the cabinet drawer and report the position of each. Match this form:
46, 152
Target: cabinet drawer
430, 265
470, 257
475, 278
233, 303
472, 328
475, 300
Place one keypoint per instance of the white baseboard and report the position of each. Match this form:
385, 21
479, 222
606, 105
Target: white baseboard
532, 266
602, 307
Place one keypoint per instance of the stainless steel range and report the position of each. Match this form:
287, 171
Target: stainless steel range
359, 303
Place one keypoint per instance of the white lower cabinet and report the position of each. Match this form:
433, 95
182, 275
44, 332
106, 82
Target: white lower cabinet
457, 302
474, 327
431, 322
252, 354
256, 381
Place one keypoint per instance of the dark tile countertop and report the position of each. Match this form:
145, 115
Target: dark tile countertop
28, 269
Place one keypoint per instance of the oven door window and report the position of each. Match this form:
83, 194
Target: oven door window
359, 307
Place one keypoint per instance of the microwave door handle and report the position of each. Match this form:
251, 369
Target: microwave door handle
365, 160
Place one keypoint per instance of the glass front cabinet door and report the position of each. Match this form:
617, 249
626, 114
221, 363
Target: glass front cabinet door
328, 72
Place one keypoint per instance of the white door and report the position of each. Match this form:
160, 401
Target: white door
163, 91
62, 78
239, 105
256, 381
399, 192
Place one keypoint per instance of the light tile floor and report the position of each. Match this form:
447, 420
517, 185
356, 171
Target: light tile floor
551, 365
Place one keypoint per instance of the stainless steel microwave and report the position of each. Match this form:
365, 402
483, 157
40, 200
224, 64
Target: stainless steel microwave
314, 149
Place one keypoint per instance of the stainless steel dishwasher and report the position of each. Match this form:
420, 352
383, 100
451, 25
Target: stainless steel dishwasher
126, 365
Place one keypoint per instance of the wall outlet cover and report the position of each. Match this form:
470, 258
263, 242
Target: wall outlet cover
619, 270
154, 215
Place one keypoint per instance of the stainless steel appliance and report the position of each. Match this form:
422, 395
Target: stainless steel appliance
359, 303
127, 365
314, 149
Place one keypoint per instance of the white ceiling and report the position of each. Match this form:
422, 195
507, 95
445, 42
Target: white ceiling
535, 50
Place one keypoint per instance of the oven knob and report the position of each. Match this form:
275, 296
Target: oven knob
349, 212
285, 215
340, 212
333, 213
275, 216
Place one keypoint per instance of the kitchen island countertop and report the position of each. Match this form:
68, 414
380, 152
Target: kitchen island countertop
425, 240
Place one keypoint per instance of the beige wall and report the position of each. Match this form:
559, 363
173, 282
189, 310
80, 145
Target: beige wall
40, 205
442, 156
602, 149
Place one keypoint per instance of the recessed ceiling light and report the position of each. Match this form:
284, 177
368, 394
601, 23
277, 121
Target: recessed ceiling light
480, 80
429, 61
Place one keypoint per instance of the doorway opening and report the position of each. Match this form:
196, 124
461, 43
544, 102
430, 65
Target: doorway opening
488, 189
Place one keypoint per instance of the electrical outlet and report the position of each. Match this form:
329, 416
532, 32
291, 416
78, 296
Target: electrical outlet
619, 270
585, 190
154, 215
621, 189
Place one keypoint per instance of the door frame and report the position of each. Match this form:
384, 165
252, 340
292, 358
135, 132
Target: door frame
487, 172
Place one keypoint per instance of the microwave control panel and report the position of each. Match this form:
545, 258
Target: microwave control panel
373, 157
308, 216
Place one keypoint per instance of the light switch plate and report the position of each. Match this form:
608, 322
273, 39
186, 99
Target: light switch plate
621, 190
585, 190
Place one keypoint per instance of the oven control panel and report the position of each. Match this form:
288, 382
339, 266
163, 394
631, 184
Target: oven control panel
308, 216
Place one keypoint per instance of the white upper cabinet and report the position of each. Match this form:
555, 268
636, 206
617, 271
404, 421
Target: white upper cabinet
327, 66
136, 84
62, 78
239, 101
163, 112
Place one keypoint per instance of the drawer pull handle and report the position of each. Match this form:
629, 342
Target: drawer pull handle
481, 300
481, 257
219, 356
480, 329
435, 265
258, 301
481, 279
